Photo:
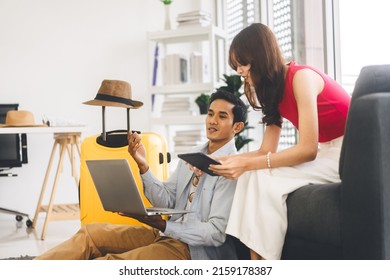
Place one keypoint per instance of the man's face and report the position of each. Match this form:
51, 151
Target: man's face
219, 121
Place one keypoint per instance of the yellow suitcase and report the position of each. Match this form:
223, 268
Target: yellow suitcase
113, 146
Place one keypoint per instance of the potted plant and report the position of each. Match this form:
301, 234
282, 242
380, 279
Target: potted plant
203, 102
167, 24
233, 84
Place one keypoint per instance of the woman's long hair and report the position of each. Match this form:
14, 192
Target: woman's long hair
257, 45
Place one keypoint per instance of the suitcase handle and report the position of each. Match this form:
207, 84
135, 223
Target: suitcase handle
104, 122
161, 158
114, 138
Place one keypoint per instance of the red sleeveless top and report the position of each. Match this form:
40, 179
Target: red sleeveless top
332, 105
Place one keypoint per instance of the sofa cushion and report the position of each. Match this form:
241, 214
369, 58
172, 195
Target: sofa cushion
372, 79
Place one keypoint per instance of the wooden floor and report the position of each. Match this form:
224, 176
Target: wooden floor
16, 239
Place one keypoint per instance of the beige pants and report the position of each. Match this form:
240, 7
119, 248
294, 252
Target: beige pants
118, 242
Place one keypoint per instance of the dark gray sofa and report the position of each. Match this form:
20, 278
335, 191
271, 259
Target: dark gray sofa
350, 220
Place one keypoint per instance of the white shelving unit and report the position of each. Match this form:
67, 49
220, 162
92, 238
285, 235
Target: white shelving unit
210, 41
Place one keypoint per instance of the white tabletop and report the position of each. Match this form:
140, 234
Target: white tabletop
49, 129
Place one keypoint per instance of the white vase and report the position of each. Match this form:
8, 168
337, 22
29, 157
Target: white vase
167, 25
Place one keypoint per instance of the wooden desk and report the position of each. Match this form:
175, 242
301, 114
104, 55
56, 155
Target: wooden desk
67, 139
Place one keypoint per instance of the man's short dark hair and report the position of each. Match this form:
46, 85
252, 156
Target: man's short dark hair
240, 110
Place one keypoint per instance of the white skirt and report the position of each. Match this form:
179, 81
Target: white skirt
259, 211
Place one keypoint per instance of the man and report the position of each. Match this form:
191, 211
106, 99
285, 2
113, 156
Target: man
199, 234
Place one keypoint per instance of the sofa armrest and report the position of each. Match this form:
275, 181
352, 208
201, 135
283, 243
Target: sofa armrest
365, 192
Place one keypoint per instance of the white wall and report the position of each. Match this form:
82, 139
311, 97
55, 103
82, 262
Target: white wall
54, 55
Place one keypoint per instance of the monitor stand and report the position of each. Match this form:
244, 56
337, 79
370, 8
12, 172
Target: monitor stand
8, 174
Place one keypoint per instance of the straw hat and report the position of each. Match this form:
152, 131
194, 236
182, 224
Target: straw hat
15, 118
115, 93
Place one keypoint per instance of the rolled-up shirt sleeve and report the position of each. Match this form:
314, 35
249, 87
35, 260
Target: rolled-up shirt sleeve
159, 194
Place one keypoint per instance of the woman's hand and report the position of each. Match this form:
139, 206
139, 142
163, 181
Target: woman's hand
231, 167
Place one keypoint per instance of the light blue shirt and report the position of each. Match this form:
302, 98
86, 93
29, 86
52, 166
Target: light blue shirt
204, 229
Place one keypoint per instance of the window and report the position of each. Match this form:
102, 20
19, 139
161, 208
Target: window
321, 33
299, 28
241, 13
282, 27
363, 37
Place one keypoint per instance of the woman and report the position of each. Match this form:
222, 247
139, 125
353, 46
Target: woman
315, 104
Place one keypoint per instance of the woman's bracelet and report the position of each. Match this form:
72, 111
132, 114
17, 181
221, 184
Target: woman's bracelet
268, 160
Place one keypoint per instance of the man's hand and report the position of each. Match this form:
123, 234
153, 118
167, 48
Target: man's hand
137, 151
153, 221
197, 171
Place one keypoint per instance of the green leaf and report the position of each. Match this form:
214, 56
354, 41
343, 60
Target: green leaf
203, 99
241, 141
166, 2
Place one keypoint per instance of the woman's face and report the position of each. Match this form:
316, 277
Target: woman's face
244, 72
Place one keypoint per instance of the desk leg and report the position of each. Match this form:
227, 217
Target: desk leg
63, 145
67, 143
73, 145
39, 205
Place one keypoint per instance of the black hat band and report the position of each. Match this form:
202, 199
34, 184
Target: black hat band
111, 98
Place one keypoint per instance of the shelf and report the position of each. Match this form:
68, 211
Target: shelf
187, 34
179, 120
211, 42
183, 88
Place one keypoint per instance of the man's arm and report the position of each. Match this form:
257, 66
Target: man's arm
206, 225
137, 151
153, 221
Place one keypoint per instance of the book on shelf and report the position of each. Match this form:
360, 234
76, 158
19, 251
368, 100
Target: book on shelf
177, 99
187, 142
177, 106
192, 133
175, 69
155, 65
193, 23
183, 149
177, 113
155, 69
193, 15
184, 140
193, 18
177, 102
199, 69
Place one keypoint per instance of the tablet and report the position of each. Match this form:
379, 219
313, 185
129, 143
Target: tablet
200, 161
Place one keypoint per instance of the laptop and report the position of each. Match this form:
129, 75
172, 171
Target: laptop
118, 190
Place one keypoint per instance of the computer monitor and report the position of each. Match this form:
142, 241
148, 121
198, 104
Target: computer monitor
13, 147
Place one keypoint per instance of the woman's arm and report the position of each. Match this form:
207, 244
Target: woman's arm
307, 84
233, 166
